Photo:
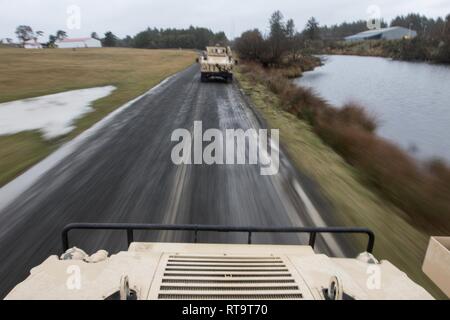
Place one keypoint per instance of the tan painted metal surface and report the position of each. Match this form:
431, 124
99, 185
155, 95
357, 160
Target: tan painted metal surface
217, 60
216, 271
437, 263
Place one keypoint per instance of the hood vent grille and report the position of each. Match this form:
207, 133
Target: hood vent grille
227, 277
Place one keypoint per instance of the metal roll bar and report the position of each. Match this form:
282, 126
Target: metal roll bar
130, 228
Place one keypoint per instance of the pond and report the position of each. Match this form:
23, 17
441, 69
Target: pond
410, 100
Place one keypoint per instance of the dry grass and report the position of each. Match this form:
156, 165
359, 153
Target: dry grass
400, 238
294, 68
374, 48
20, 151
31, 73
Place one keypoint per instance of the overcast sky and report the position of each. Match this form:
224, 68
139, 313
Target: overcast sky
127, 17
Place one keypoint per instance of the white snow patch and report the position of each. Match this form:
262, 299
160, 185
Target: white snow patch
52, 114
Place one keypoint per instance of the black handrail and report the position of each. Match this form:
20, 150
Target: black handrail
130, 228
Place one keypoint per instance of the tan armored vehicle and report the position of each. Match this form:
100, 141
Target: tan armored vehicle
217, 62
150, 271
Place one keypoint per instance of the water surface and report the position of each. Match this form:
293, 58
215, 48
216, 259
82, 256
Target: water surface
411, 100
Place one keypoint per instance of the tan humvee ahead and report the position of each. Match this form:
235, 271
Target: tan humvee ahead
217, 62
149, 271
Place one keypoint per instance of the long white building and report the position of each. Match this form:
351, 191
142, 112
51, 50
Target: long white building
78, 43
392, 33
32, 44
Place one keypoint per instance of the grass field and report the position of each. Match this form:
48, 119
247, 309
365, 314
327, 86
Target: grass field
397, 240
32, 73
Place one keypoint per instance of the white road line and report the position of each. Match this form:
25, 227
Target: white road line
316, 218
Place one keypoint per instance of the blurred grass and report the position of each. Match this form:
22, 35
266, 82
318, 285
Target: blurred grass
33, 73
397, 240
20, 151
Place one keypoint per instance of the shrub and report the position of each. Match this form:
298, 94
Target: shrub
353, 114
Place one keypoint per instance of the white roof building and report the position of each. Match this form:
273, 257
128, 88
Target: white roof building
78, 43
32, 44
392, 33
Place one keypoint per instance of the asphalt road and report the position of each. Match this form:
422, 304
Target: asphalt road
124, 173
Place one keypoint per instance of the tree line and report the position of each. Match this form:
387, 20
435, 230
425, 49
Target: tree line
26, 33
428, 28
431, 44
283, 42
151, 38
154, 38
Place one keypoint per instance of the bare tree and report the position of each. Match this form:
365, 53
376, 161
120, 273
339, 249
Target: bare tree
282, 42
297, 46
277, 38
24, 33
312, 31
250, 45
61, 34
110, 40
38, 34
